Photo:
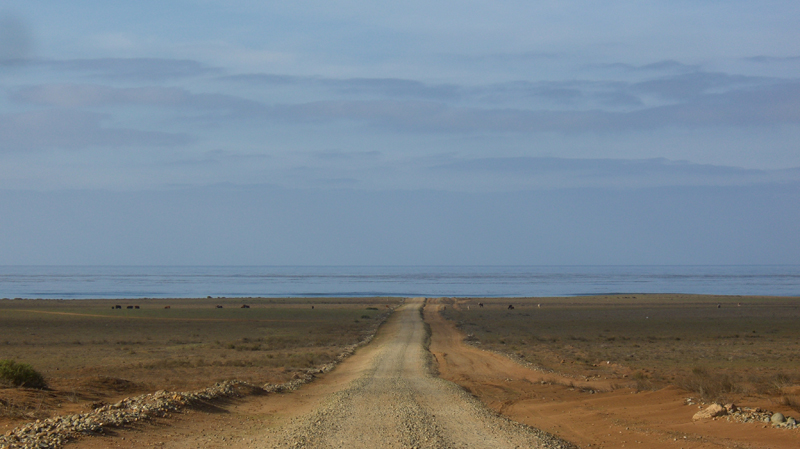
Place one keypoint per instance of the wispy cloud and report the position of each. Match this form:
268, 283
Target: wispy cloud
692, 86
544, 171
772, 59
665, 66
141, 69
90, 95
389, 87
774, 105
16, 39
690, 101
346, 156
70, 129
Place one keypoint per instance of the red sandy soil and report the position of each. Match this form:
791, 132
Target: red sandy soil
619, 418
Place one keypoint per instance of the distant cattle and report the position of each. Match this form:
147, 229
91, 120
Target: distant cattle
510, 307
219, 307
480, 304
129, 307
312, 307
112, 307
117, 307
135, 307
245, 306
166, 307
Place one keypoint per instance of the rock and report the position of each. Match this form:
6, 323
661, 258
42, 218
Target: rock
777, 418
712, 411
791, 421
731, 408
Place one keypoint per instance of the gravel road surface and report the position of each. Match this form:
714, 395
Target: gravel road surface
398, 403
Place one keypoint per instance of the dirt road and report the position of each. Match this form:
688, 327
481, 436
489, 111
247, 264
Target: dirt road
397, 403
383, 396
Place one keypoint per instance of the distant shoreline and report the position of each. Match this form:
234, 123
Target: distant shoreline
88, 282
323, 298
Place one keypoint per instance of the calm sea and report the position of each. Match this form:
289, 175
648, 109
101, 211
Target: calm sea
76, 282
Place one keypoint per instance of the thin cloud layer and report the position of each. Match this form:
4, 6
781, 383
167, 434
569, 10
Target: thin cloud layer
297, 132
389, 87
136, 69
67, 129
86, 95
573, 173
16, 40
388, 93
769, 106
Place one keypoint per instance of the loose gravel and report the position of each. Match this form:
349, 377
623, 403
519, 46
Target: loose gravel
398, 403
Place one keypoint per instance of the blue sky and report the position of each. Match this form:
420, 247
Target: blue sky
500, 133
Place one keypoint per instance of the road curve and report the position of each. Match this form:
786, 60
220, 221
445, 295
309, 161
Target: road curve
398, 403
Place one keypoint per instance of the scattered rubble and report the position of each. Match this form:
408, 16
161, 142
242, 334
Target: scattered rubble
733, 413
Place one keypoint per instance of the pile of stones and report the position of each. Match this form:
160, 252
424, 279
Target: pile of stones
747, 414
55, 432
731, 412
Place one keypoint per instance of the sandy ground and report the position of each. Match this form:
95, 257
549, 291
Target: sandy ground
622, 418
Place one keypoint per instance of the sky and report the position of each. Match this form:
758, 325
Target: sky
399, 133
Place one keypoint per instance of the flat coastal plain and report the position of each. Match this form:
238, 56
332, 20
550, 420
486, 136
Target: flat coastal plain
609, 371
91, 352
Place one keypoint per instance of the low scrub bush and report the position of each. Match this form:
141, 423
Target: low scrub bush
790, 401
20, 375
711, 387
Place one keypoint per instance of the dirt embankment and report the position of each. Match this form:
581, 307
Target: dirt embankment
586, 412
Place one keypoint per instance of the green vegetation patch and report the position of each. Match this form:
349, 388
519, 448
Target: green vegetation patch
20, 375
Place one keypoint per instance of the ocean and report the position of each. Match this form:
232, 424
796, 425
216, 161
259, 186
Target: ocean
85, 282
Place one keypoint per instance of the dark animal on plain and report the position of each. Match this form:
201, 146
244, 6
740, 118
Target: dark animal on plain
117, 307
480, 304
112, 307
219, 307
135, 307
129, 307
719, 306
166, 307
245, 306
510, 307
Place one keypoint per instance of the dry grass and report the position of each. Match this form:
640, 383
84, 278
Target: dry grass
709, 386
86, 350
715, 346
